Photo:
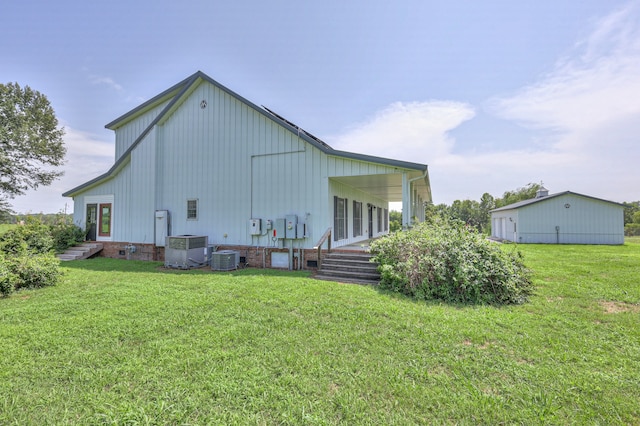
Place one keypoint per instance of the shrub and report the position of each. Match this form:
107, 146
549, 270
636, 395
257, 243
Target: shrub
7, 278
447, 260
66, 235
33, 237
26, 258
35, 270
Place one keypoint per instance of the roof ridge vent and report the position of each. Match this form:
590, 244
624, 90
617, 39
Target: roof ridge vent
542, 192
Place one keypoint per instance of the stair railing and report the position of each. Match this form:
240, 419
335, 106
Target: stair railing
325, 237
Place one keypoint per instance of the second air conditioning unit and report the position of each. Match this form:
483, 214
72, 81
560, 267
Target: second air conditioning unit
185, 251
225, 260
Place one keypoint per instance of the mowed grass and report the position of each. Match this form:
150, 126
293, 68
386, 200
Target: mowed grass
125, 342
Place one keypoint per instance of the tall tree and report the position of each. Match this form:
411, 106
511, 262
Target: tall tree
31, 143
525, 193
630, 211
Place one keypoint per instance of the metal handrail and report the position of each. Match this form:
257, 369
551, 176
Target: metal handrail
325, 237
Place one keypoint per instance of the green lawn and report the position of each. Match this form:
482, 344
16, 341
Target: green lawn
128, 343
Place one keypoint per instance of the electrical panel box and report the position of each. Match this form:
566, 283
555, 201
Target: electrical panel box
301, 231
255, 227
161, 227
268, 225
279, 228
291, 226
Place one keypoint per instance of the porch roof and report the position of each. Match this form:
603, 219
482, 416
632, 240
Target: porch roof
389, 186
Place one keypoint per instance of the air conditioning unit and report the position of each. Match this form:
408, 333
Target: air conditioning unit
225, 260
185, 251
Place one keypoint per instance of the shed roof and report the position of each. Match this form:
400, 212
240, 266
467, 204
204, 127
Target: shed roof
528, 202
176, 93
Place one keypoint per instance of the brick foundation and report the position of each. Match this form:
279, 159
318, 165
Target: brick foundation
249, 256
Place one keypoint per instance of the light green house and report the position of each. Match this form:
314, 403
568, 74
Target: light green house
199, 159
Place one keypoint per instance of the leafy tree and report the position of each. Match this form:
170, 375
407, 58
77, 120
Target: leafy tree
525, 193
630, 211
433, 211
468, 211
395, 221
30, 141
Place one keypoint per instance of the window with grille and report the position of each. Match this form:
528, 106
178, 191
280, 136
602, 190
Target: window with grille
192, 209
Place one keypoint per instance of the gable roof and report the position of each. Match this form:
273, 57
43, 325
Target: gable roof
181, 90
528, 202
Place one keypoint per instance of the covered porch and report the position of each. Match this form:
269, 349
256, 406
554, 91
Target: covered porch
411, 188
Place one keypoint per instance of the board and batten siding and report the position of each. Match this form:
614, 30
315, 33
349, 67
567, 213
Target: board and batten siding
238, 164
130, 131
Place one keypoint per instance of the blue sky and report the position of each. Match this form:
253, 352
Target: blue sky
491, 95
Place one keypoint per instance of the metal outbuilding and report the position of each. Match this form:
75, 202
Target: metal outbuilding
561, 218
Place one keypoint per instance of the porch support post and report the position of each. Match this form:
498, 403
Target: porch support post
406, 202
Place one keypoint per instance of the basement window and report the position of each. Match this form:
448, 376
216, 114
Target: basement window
192, 209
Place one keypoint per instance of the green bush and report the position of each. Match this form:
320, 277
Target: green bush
35, 270
7, 278
66, 235
447, 260
34, 237
26, 257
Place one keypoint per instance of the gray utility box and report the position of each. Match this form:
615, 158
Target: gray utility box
291, 226
185, 251
279, 228
162, 227
225, 260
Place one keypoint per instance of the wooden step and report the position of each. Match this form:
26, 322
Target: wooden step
349, 267
82, 251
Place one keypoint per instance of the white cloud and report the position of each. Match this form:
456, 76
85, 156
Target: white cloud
599, 84
415, 131
87, 157
108, 81
583, 119
591, 104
